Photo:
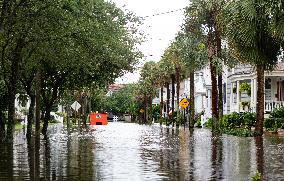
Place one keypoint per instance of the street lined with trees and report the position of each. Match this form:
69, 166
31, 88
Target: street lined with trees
48, 47
56, 52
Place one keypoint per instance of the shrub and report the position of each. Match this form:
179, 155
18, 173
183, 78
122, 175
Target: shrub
198, 123
238, 132
239, 120
274, 123
208, 124
248, 119
256, 176
277, 113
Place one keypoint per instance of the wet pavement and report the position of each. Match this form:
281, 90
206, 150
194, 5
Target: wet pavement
126, 151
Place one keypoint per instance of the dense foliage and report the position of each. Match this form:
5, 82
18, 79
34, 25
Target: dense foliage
275, 120
238, 124
66, 45
123, 101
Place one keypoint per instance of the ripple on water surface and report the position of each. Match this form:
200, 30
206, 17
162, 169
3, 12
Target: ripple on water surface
125, 151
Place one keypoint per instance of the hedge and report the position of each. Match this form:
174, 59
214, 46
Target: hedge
273, 123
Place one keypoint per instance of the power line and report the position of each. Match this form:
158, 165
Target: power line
163, 13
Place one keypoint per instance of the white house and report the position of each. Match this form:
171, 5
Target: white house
201, 81
274, 89
234, 99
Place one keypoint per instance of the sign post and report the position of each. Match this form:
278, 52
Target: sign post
76, 106
184, 104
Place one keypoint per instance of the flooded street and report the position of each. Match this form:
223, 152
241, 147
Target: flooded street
125, 151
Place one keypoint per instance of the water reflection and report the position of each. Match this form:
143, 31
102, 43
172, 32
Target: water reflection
259, 155
216, 157
122, 151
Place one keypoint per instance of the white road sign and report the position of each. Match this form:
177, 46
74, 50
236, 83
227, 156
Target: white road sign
76, 106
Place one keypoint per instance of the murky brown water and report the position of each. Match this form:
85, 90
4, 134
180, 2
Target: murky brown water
124, 151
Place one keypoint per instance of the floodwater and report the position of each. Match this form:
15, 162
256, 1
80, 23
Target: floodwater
125, 151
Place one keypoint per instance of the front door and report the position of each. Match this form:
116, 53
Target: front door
280, 90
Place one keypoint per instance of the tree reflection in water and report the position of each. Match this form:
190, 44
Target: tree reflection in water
139, 152
31, 157
216, 157
6, 158
259, 155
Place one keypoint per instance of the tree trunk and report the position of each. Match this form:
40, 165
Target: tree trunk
214, 100
220, 101
38, 96
173, 98
31, 114
260, 101
2, 125
11, 107
12, 81
168, 102
178, 89
218, 55
47, 118
192, 100
49, 102
162, 103
150, 109
145, 109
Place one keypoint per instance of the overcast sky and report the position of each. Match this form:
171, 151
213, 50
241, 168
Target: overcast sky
160, 29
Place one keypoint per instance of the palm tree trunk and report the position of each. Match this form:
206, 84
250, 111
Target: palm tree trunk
162, 102
192, 100
220, 101
178, 88
260, 101
214, 100
168, 101
218, 55
173, 98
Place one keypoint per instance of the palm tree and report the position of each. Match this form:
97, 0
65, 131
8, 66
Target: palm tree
161, 79
248, 24
192, 54
176, 72
202, 18
148, 88
168, 66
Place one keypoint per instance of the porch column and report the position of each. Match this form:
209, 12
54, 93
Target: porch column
231, 97
255, 94
238, 96
252, 94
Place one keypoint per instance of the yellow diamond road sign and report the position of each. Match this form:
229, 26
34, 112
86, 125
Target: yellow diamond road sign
184, 103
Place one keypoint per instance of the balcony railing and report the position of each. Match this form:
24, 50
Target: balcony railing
270, 105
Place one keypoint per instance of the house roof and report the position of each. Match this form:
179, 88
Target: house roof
115, 87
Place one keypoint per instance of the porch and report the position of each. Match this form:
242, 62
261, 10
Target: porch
271, 105
243, 97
